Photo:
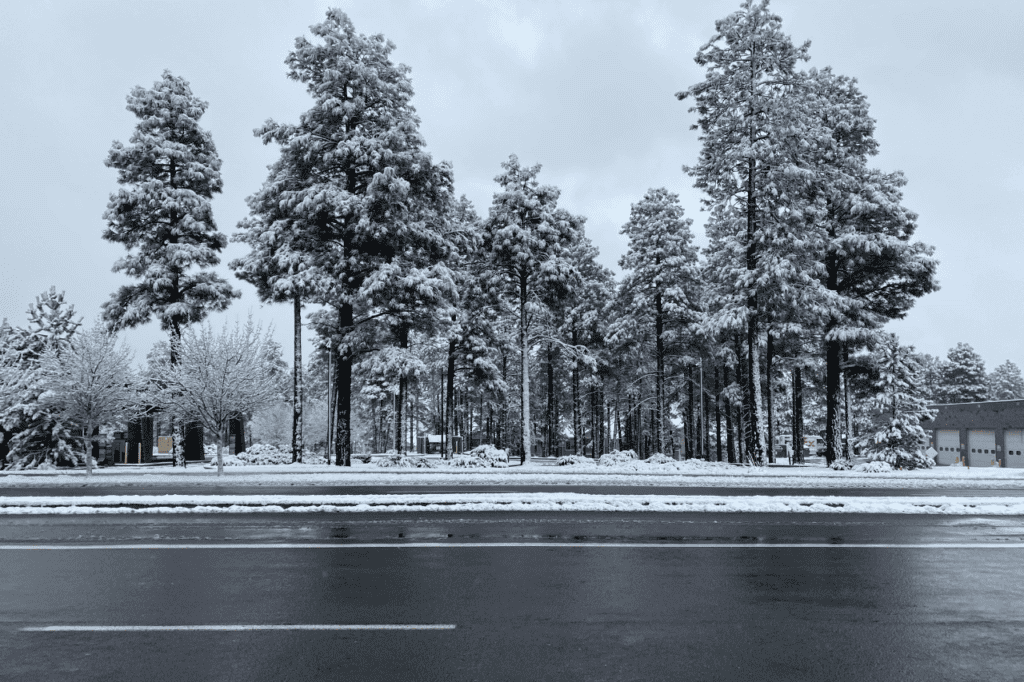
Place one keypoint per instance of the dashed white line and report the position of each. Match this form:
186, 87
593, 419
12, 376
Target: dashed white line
233, 628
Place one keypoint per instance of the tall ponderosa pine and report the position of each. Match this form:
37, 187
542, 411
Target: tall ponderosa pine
752, 133
277, 267
168, 173
871, 270
527, 238
359, 184
661, 287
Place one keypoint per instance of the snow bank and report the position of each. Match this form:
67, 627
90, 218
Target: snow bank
483, 502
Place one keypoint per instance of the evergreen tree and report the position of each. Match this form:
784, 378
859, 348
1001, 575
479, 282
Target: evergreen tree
277, 266
33, 431
359, 185
963, 376
752, 135
527, 238
1006, 383
870, 270
898, 437
661, 286
168, 173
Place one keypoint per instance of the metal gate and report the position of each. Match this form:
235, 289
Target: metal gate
981, 448
947, 443
1013, 445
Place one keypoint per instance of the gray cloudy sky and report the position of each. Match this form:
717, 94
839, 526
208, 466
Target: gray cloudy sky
584, 88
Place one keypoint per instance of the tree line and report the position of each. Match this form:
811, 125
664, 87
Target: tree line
503, 328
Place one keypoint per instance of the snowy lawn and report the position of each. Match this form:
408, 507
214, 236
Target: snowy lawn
690, 473
518, 502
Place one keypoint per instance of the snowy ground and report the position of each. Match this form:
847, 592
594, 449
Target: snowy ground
685, 474
517, 502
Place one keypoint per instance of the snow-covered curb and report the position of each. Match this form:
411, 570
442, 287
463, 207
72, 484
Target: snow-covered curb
722, 476
484, 502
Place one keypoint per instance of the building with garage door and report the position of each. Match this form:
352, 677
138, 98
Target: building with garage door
984, 434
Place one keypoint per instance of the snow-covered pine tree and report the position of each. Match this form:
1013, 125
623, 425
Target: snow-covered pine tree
870, 270
90, 383
360, 180
526, 237
277, 266
33, 431
584, 324
931, 377
898, 437
168, 172
1006, 383
661, 286
963, 375
753, 132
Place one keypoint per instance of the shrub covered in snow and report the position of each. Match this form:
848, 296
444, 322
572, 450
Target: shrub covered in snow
659, 458
617, 458
261, 453
841, 464
873, 467
483, 456
365, 459
210, 451
403, 461
569, 460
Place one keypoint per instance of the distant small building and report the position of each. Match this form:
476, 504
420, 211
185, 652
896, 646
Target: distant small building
982, 434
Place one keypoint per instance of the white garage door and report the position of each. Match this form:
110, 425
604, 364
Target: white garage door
1014, 447
947, 443
981, 448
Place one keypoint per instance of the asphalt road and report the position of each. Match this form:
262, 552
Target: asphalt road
566, 597
228, 489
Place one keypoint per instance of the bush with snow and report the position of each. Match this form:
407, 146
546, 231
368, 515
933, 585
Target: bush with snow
483, 456
873, 467
261, 453
570, 460
659, 458
397, 460
841, 464
617, 458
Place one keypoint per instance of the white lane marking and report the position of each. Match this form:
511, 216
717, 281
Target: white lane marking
177, 628
631, 545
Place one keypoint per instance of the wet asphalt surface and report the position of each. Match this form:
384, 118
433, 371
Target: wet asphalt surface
741, 609
228, 489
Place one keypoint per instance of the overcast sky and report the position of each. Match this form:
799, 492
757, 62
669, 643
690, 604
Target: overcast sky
583, 88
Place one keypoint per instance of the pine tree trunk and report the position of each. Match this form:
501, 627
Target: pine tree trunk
343, 386
549, 422
718, 417
756, 446
730, 442
400, 398
798, 414
769, 357
297, 383
449, 400
847, 444
833, 355
659, 377
688, 430
524, 349
576, 426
